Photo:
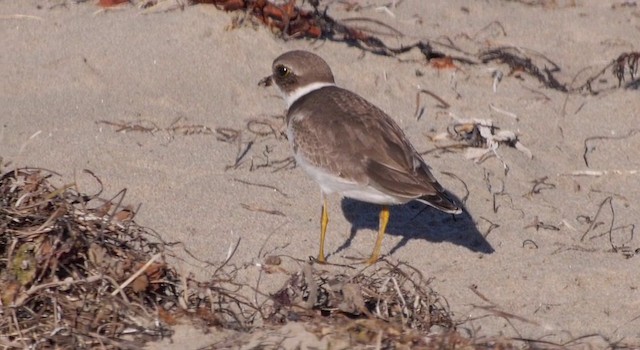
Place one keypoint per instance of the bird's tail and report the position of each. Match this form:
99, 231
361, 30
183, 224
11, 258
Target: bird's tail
441, 202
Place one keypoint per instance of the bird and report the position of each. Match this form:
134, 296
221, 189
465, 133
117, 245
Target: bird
349, 146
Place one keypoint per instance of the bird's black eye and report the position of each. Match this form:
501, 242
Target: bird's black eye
282, 71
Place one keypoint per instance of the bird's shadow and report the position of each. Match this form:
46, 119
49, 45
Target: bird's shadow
415, 220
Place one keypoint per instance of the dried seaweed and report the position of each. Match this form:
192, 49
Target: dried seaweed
77, 273
627, 63
259, 131
146, 126
392, 304
517, 60
291, 21
63, 264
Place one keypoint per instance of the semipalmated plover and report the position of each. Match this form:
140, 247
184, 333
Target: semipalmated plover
348, 145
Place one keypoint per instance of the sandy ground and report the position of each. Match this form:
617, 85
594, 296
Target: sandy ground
64, 68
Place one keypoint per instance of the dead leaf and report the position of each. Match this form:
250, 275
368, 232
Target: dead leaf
140, 283
9, 291
166, 317
273, 260
111, 3
96, 254
125, 214
443, 63
352, 301
103, 210
155, 271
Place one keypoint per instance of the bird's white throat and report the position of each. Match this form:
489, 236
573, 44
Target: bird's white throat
293, 96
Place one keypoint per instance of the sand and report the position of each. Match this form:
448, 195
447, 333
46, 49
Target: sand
65, 67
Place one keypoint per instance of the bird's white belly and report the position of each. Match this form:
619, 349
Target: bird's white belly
330, 183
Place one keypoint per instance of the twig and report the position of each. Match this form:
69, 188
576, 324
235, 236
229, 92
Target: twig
277, 190
136, 274
253, 208
418, 112
601, 172
19, 16
631, 133
230, 253
37, 288
502, 111
594, 221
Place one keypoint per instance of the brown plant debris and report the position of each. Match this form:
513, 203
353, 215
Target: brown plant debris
257, 131
393, 293
111, 3
626, 64
75, 274
292, 21
62, 260
145, 126
519, 61
392, 306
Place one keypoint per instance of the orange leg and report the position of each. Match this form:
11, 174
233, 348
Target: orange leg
324, 221
384, 220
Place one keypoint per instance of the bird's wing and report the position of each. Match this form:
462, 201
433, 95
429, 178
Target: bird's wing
359, 141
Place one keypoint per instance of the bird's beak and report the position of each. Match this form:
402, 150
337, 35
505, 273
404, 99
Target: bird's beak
266, 81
